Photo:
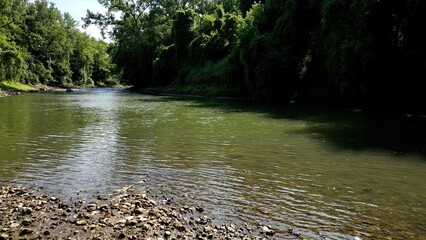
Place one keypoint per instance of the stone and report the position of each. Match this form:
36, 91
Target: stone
199, 209
180, 227
25, 231
4, 236
266, 230
138, 211
104, 208
14, 225
91, 207
26, 222
132, 222
26, 210
81, 222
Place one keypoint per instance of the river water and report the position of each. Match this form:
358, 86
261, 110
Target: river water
326, 173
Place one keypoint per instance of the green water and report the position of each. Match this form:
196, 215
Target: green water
325, 173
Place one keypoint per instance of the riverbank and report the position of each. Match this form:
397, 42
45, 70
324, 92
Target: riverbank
123, 214
8, 88
8, 93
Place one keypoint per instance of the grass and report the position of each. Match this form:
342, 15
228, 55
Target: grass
15, 86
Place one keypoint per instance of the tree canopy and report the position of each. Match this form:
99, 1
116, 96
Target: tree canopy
39, 44
358, 52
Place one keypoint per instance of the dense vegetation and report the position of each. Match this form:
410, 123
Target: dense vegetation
359, 52
40, 45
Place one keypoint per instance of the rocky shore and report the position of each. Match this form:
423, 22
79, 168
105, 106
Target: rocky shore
123, 214
9, 93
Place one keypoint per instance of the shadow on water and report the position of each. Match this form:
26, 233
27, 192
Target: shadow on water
345, 129
159, 100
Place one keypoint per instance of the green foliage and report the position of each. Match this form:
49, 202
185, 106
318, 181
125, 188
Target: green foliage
357, 52
165, 65
39, 44
215, 79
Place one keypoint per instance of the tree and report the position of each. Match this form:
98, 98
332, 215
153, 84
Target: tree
12, 55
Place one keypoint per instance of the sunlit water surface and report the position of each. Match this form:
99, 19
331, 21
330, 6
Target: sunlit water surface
326, 173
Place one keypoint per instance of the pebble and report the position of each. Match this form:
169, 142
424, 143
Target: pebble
266, 230
103, 208
26, 222
14, 225
81, 222
138, 211
25, 231
91, 207
4, 236
26, 210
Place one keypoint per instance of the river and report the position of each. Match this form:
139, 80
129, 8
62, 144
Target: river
326, 173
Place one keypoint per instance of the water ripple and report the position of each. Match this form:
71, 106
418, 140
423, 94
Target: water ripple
241, 165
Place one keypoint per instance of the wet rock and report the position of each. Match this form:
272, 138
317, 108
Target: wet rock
199, 209
203, 220
266, 230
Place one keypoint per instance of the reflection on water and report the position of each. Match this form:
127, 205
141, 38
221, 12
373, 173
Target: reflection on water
326, 174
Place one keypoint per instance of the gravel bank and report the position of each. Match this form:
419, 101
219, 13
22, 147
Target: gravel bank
123, 214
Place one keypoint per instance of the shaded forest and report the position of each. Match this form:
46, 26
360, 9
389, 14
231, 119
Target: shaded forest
358, 53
